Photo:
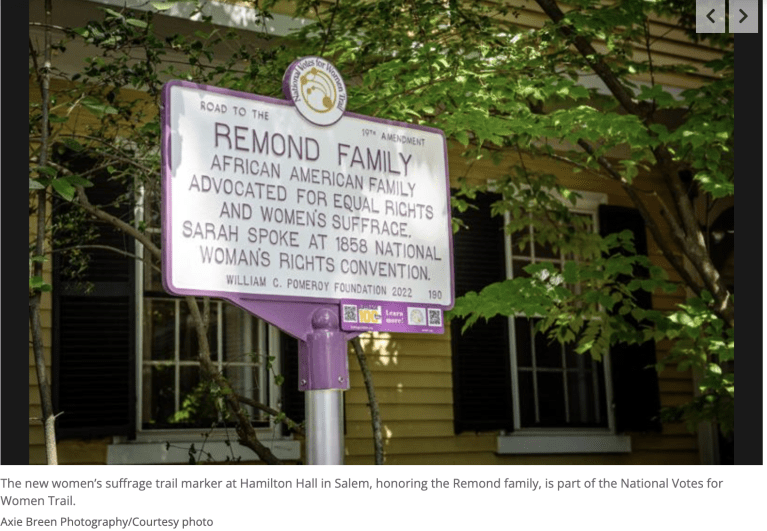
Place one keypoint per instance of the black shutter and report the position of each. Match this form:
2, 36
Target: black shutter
93, 331
636, 393
292, 398
481, 365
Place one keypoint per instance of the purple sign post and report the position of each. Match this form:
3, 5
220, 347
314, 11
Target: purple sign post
322, 222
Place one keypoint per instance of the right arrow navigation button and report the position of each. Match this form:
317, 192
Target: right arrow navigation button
744, 16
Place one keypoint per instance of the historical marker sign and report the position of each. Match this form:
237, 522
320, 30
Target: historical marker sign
262, 201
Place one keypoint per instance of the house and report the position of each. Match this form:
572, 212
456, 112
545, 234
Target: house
122, 353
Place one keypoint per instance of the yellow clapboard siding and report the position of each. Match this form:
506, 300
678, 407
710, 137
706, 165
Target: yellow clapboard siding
402, 396
675, 429
392, 349
403, 362
666, 457
668, 442
34, 396
481, 458
670, 372
35, 411
666, 302
403, 445
676, 386
32, 376
403, 412
403, 380
671, 400
356, 429
666, 59
74, 453
639, 457
36, 433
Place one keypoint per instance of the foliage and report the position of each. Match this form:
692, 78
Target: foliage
513, 95
703, 343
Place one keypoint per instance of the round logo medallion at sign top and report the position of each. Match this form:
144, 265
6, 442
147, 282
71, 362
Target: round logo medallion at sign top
317, 90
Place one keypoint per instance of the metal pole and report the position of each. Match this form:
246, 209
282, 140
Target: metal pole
324, 427
323, 369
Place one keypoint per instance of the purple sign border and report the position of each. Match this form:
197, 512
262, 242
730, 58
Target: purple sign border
280, 310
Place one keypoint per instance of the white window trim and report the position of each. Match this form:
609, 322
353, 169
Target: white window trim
560, 440
556, 441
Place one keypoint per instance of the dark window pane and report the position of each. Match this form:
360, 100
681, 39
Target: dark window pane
548, 352
158, 398
517, 268
572, 358
520, 237
162, 329
526, 399
580, 389
551, 399
524, 343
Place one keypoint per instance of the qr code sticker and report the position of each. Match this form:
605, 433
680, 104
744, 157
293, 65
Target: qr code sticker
350, 313
435, 317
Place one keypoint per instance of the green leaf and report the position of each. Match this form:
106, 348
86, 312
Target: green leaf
34, 185
73, 144
37, 283
113, 12
47, 170
64, 188
462, 137
163, 6
76, 180
570, 272
136, 23
98, 108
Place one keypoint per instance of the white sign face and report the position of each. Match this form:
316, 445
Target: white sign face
259, 202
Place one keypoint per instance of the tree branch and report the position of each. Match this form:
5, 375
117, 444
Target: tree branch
290, 423
592, 57
375, 414
35, 299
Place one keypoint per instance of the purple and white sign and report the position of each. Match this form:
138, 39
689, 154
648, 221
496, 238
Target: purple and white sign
261, 202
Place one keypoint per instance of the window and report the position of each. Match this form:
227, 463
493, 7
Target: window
553, 386
540, 396
172, 394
